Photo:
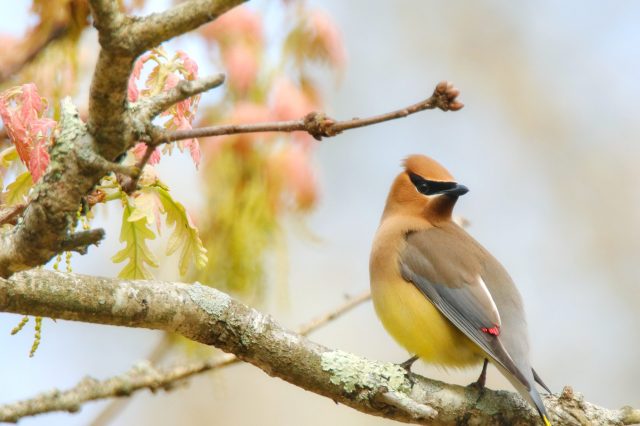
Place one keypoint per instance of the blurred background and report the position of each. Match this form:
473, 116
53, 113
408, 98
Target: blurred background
547, 143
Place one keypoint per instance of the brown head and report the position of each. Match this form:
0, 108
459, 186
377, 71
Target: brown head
424, 189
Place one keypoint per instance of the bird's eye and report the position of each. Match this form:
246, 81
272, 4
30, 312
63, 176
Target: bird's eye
423, 187
421, 184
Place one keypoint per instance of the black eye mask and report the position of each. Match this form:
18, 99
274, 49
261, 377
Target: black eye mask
432, 187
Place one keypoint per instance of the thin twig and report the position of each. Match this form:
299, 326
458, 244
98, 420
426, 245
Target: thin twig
144, 376
318, 125
117, 405
130, 183
80, 241
209, 316
320, 321
151, 106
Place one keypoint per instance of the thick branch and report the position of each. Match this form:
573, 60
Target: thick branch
45, 228
182, 18
122, 39
317, 124
211, 317
81, 156
144, 376
107, 18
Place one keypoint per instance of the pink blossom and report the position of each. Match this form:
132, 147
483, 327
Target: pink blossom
239, 23
293, 166
328, 37
289, 102
242, 66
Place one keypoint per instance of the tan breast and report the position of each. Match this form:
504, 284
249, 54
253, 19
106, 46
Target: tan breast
411, 319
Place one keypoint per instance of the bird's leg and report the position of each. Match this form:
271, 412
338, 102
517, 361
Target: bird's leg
407, 366
408, 363
482, 380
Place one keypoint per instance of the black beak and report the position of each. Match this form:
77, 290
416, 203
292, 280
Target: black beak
456, 191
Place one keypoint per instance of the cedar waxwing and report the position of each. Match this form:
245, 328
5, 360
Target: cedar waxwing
438, 292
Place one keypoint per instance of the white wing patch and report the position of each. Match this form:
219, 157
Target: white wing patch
490, 303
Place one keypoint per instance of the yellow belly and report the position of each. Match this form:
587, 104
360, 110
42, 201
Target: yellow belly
417, 325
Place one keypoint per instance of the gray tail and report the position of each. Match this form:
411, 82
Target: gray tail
537, 401
539, 380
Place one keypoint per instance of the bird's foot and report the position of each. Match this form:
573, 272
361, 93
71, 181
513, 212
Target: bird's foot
477, 385
482, 379
406, 365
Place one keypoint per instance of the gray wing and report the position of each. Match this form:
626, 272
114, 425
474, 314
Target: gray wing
451, 278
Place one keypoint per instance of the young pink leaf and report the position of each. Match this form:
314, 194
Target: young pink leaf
194, 150
132, 90
140, 148
171, 82
137, 67
240, 22
241, 62
289, 101
21, 110
292, 165
32, 104
190, 66
182, 123
166, 75
39, 158
328, 38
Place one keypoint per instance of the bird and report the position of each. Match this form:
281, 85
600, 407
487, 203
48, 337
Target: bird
438, 292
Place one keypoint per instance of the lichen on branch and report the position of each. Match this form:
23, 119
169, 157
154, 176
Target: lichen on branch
214, 318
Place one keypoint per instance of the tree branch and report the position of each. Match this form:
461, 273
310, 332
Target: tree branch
211, 317
152, 106
82, 155
318, 125
144, 376
123, 39
50, 216
182, 18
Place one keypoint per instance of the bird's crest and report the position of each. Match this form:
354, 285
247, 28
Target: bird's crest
428, 168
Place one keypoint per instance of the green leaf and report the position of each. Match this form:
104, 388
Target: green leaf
147, 206
185, 236
18, 189
134, 234
8, 156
